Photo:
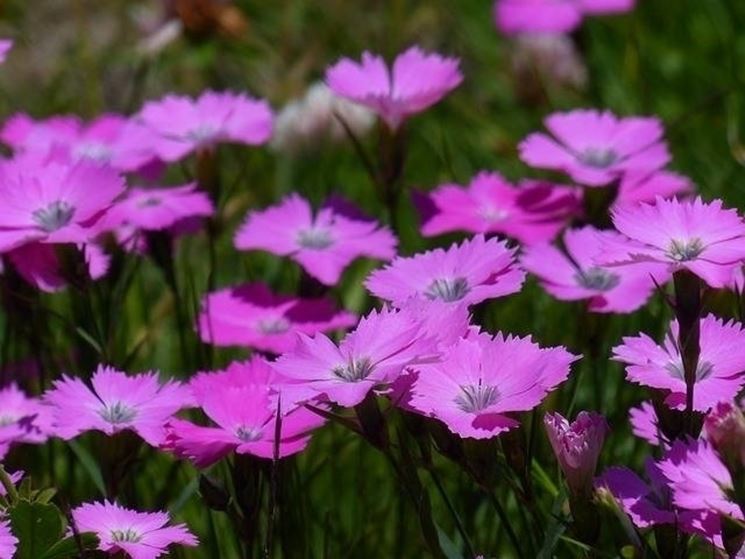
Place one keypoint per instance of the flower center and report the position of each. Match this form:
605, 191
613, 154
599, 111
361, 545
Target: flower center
201, 133
476, 397
703, 370
276, 325
117, 413
128, 535
490, 213
597, 279
448, 289
683, 251
598, 158
314, 238
356, 370
6, 420
55, 216
96, 152
248, 434
149, 202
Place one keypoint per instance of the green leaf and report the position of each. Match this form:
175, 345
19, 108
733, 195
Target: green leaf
45, 495
69, 548
37, 526
90, 465
447, 545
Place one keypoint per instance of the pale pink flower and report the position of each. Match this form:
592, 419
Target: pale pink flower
5, 46
324, 243
138, 535
703, 238
116, 402
481, 382
23, 419
577, 447
251, 315
473, 271
551, 16
597, 148
531, 212
8, 542
184, 125
719, 375
416, 81
573, 274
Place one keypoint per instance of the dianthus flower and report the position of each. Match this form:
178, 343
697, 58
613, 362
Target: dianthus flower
531, 212
8, 542
324, 243
473, 271
416, 81
551, 16
597, 148
22, 419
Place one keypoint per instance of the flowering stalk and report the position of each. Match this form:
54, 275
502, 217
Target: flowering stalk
597, 204
687, 311
391, 160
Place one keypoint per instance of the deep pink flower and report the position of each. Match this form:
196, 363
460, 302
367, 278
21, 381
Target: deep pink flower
8, 542
157, 209
720, 369
575, 275
110, 139
698, 478
577, 447
242, 401
250, 315
705, 239
53, 202
324, 243
596, 148
531, 212
471, 272
373, 355
481, 381
639, 187
139, 535
417, 81
22, 419
551, 16
116, 402
185, 125
645, 424
5, 46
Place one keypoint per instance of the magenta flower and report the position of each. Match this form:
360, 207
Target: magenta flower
645, 187
551, 16
8, 542
186, 125
250, 315
720, 370
373, 355
577, 447
482, 381
157, 209
23, 420
725, 429
110, 139
531, 212
698, 478
139, 535
116, 402
645, 424
575, 275
597, 148
705, 239
323, 243
474, 271
53, 202
242, 403
417, 81
5, 46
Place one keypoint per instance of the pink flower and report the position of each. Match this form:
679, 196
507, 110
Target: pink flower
577, 447
23, 420
250, 315
53, 202
720, 369
532, 212
156, 209
185, 125
645, 187
482, 381
115, 403
416, 82
575, 275
110, 139
725, 429
705, 239
551, 16
5, 46
373, 355
645, 424
242, 403
698, 478
596, 148
323, 243
139, 535
8, 542
474, 271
